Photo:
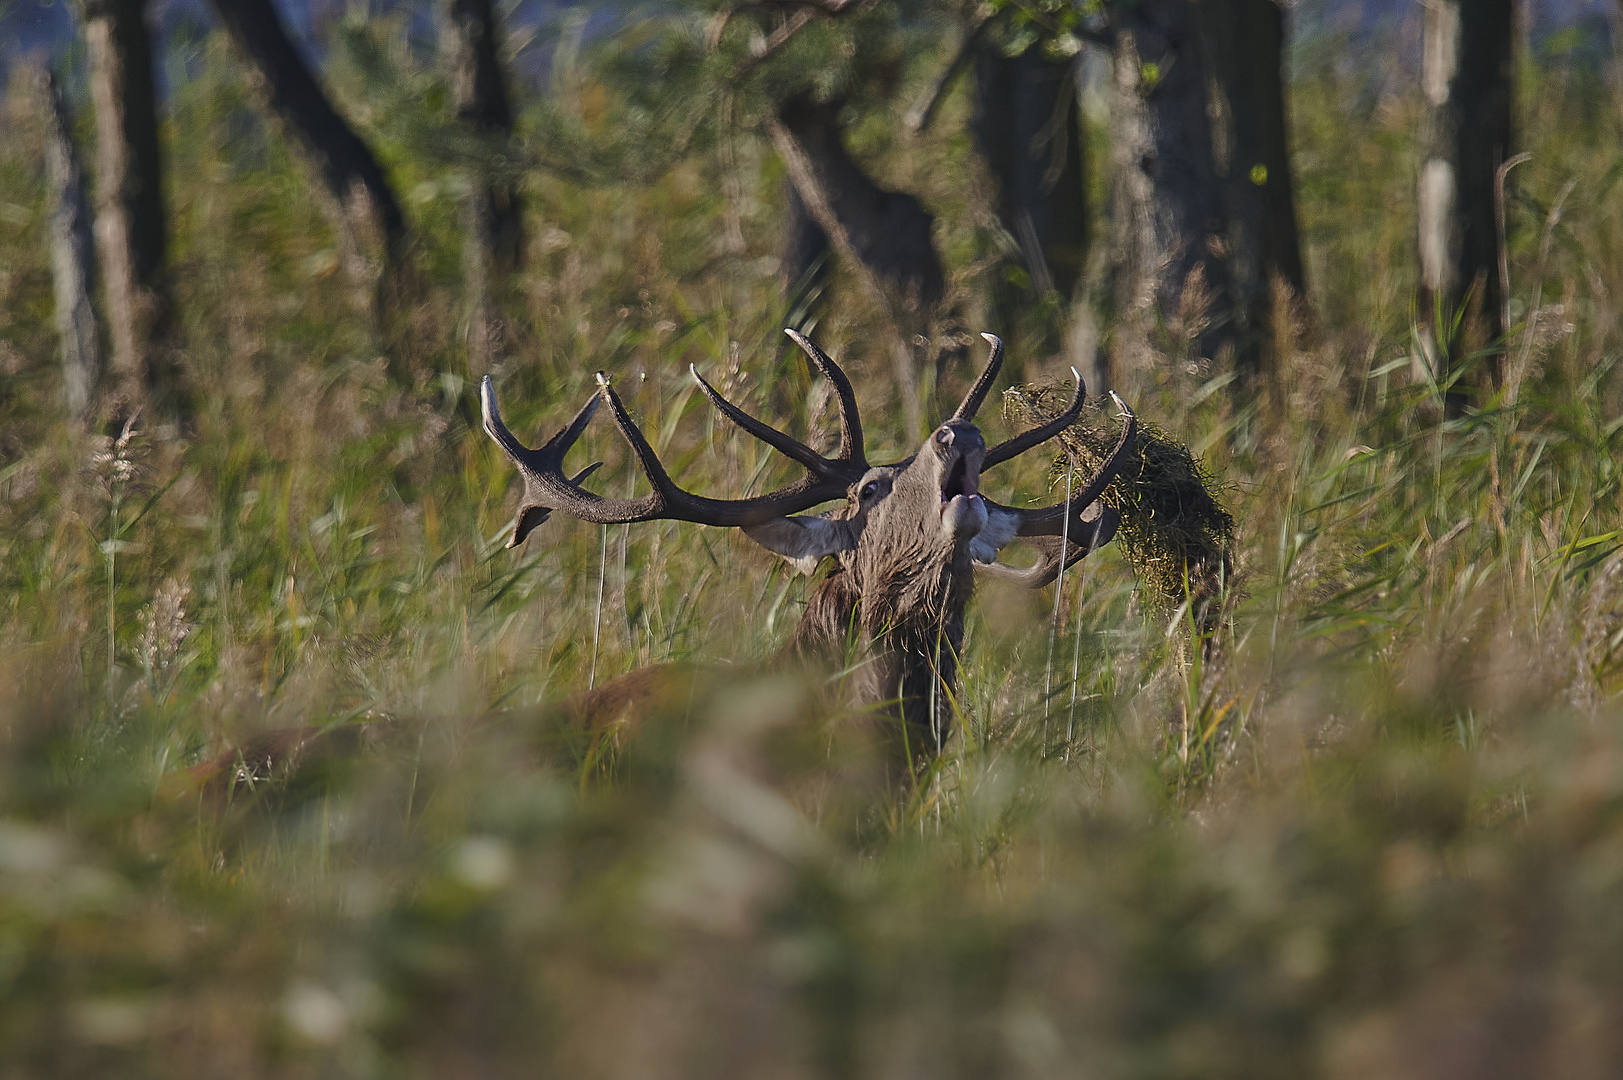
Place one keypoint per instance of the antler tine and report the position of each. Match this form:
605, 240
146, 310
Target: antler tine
850, 419
1084, 537
1050, 520
983, 385
555, 448
541, 495
646, 458
1018, 445
826, 480
1118, 454
774, 438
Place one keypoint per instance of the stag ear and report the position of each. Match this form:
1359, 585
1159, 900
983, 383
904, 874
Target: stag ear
803, 541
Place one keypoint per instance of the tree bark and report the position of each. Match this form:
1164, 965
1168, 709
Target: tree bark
359, 200
1465, 136
885, 235
890, 231
72, 254
131, 226
1168, 231
492, 216
1252, 149
1027, 129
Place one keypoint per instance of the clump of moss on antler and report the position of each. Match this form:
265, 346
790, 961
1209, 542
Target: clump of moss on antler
1174, 531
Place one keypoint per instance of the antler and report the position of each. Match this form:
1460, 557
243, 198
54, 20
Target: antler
546, 488
983, 385
1026, 440
1090, 524
1091, 528
1050, 520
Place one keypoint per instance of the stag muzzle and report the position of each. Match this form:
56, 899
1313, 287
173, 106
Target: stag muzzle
960, 450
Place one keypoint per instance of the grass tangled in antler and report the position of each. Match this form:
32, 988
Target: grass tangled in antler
1174, 532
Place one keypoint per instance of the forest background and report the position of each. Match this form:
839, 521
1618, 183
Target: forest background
1357, 812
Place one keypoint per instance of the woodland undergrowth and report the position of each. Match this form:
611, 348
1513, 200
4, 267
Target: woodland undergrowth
1360, 814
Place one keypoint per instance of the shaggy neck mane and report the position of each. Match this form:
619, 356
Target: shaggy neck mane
907, 629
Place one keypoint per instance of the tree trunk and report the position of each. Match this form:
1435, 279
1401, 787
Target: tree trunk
890, 231
886, 235
1465, 136
1167, 206
479, 92
130, 221
1252, 149
72, 254
358, 198
1027, 128
492, 216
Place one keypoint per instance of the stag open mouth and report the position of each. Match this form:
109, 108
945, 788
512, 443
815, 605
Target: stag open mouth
963, 511
959, 481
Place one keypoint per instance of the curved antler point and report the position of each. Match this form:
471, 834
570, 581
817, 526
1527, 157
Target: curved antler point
709, 391
991, 339
487, 403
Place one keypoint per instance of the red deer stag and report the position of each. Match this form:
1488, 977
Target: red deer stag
906, 544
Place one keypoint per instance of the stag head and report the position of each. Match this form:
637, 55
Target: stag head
907, 541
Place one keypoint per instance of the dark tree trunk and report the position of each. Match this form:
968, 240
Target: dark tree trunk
890, 231
131, 228
479, 92
1168, 229
887, 235
1465, 137
359, 200
1027, 128
492, 216
1252, 149
72, 254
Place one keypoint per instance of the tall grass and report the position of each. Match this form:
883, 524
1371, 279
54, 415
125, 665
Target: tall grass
1372, 825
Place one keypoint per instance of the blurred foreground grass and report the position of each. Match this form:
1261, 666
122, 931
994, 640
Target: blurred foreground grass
1373, 828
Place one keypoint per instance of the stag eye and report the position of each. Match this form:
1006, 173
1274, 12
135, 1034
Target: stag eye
943, 436
870, 489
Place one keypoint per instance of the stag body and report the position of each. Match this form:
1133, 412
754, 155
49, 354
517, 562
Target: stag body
903, 579
907, 542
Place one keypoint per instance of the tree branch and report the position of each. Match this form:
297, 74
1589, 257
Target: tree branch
805, 10
923, 111
780, 37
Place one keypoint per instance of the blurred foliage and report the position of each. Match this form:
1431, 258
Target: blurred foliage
1373, 827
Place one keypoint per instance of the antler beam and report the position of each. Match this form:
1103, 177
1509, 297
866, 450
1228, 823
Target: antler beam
546, 487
